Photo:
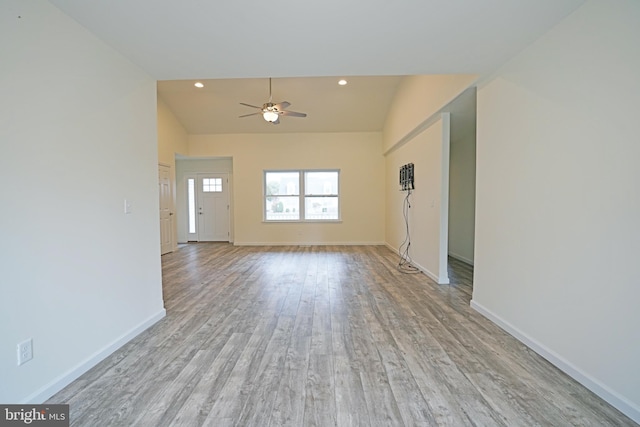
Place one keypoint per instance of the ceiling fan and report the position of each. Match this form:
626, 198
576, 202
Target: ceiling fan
271, 112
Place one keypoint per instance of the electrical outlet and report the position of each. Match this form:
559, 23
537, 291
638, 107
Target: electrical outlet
25, 351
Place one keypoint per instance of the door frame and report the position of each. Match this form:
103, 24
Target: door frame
194, 237
171, 206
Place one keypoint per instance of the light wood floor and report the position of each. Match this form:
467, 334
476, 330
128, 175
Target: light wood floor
323, 336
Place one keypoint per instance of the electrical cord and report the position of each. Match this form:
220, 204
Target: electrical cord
405, 265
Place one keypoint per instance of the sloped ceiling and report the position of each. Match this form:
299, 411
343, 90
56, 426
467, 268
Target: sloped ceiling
251, 39
360, 106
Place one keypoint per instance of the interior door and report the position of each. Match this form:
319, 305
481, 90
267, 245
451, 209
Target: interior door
166, 215
213, 207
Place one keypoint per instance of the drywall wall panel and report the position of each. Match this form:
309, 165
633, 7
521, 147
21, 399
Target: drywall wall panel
172, 141
462, 176
79, 275
417, 99
423, 207
172, 136
557, 200
357, 155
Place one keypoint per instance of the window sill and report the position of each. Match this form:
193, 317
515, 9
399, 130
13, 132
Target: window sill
303, 221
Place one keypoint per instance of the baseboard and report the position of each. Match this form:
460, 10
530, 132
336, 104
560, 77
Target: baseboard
391, 248
616, 400
308, 243
435, 278
461, 258
67, 378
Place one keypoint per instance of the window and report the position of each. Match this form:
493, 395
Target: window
306, 195
321, 195
282, 196
191, 195
211, 185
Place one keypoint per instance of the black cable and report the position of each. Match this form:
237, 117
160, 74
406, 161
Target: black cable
405, 264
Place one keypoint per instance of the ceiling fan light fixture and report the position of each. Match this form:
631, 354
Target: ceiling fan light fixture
270, 116
342, 82
271, 112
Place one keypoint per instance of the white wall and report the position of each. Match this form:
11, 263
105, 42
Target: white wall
427, 216
357, 155
462, 176
172, 141
557, 235
78, 135
172, 136
417, 99
416, 131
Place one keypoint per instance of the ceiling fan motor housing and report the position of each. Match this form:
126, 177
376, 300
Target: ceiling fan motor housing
271, 112
270, 106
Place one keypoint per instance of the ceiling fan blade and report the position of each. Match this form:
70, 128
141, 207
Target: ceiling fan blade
293, 114
277, 121
252, 106
252, 114
282, 105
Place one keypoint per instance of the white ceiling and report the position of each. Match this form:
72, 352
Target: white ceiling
360, 106
255, 39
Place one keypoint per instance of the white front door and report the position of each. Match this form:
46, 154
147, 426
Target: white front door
209, 203
166, 216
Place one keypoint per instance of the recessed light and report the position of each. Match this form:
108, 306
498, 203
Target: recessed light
198, 84
342, 82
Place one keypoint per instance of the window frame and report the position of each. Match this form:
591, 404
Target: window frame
212, 185
302, 195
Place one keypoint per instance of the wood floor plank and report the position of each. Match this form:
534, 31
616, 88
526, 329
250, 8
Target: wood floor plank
323, 336
351, 404
289, 400
196, 409
319, 408
261, 392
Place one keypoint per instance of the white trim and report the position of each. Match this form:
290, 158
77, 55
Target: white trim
438, 280
190, 237
443, 245
172, 207
67, 378
461, 258
426, 123
299, 221
302, 195
391, 247
442, 280
308, 243
620, 402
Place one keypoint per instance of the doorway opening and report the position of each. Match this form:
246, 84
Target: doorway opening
204, 199
462, 184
